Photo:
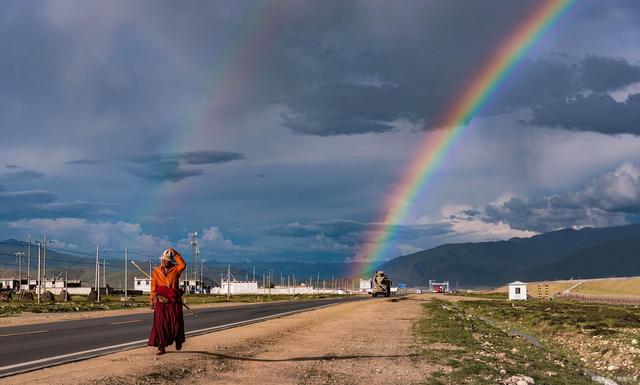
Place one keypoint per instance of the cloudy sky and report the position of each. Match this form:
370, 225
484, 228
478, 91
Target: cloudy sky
279, 129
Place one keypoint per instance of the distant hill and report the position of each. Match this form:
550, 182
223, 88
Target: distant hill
585, 253
616, 258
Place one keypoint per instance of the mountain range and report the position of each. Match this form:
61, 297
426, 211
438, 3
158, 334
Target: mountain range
562, 254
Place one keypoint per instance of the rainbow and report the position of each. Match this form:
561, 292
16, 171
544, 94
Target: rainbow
437, 144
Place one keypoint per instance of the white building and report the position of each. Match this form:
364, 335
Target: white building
143, 284
365, 285
517, 291
9, 283
236, 287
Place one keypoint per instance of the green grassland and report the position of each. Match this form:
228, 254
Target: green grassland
472, 351
601, 338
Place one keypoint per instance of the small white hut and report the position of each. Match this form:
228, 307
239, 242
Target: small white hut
517, 291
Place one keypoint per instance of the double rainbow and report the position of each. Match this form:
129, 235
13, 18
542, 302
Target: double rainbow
453, 124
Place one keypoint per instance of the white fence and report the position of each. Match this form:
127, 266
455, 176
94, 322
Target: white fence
291, 290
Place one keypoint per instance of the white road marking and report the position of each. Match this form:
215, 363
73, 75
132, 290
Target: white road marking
125, 322
24, 333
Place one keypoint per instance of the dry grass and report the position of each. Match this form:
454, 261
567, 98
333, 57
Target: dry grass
544, 288
621, 287
613, 287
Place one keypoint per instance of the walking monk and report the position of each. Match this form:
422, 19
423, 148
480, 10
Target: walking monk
166, 300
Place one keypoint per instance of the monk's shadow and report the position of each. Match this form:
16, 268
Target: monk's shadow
326, 357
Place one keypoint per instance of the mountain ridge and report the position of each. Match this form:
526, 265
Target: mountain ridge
493, 263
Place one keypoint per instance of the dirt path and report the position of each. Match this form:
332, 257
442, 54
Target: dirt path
352, 343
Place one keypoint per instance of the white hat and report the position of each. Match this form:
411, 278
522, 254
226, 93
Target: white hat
167, 255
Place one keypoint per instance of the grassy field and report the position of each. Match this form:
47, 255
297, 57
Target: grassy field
614, 287
111, 302
602, 338
489, 295
543, 288
622, 287
472, 351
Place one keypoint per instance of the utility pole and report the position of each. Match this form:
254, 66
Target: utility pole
29, 263
228, 281
201, 276
254, 273
95, 273
126, 257
45, 262
294, 285
19, 255
98, 271
104, 275
38, 280
66, 287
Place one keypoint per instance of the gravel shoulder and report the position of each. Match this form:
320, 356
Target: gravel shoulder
352, 343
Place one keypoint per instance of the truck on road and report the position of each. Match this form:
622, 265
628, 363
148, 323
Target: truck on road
380, 284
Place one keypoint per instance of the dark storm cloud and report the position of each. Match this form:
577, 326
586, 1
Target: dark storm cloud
7, 199
21, 175
86, 161
169, 167
209, 157
46, 204
605, 74
353, 86
603, 201
189, 157
192, 157
11, 166
351, 233
347, 68
345, 110
164, 170
594, 112
543, 83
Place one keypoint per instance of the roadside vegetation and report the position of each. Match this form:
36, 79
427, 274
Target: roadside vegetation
113, 302
488, 342
603, 338
488, 295
473, 351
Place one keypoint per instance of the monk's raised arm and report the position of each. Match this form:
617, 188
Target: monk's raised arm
180, 265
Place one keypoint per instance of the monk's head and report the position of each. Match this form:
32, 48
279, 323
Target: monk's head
167, 258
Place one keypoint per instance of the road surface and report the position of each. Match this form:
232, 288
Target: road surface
37, 346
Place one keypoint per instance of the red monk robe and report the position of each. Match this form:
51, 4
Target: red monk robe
166, 298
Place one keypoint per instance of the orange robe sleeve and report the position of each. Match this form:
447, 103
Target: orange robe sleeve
154, 283
180, 265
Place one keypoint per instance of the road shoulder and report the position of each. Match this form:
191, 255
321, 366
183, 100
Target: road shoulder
350, 343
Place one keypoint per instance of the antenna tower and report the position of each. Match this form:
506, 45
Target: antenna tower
195, 255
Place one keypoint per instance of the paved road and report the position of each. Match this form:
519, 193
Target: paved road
36, 346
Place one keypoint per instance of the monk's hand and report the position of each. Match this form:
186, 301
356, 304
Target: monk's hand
152, 306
